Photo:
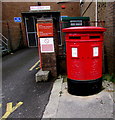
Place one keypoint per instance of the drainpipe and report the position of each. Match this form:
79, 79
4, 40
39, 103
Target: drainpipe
96, 13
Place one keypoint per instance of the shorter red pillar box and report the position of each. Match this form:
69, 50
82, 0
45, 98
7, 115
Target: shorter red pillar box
84, 59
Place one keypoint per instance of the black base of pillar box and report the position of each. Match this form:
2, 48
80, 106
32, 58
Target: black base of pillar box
84, 88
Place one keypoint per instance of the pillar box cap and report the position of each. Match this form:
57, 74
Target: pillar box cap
84, 29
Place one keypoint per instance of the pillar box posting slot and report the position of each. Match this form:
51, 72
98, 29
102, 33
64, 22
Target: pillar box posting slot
84, 59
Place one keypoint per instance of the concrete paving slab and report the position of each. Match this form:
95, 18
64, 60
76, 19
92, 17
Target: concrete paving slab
109, 87
95, 106
70, 106
52, 106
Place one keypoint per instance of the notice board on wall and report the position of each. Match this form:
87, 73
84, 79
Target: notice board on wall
45, 29
47, 45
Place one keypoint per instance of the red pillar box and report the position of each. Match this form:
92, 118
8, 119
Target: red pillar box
84, 59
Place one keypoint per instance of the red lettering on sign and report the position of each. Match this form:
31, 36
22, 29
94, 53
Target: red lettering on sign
45, 29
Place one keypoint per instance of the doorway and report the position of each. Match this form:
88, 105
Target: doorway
30, 20
31, 33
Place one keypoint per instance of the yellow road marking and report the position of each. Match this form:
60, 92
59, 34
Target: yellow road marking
37, 68
18, 105
10, 109
0, 105
34, 65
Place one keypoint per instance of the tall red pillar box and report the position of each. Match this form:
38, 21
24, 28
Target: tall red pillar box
84, 59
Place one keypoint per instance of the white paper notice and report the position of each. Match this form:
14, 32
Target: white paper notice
47, 45
95, 51
74, 52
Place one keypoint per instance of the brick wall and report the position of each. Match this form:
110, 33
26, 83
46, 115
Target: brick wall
48, 61
110, 36
1, 17
88, 10
72, 9
101, 11
10, 29
106, 12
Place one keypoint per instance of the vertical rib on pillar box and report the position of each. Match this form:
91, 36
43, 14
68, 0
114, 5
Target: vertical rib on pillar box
47, 45
84, 59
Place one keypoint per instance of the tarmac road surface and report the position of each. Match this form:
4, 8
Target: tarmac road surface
21, 95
